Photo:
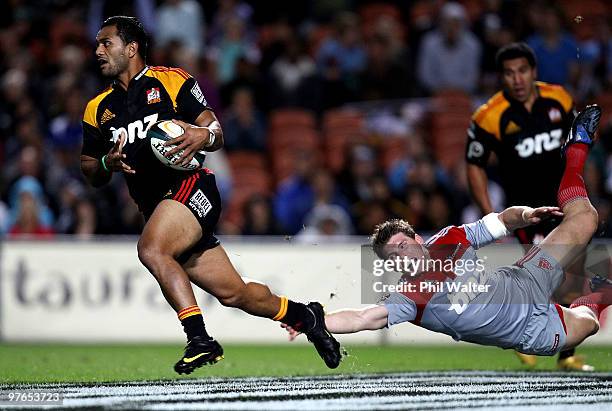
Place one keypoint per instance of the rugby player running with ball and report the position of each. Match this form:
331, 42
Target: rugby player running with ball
181, 208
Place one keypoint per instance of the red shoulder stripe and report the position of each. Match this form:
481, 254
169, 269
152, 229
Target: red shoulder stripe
183, 72
178, 71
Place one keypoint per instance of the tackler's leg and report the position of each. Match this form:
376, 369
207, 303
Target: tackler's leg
567, 242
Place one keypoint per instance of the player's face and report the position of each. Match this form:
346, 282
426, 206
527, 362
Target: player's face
401, 245
519, 78
111, 52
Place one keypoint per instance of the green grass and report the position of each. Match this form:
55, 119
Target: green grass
104, 363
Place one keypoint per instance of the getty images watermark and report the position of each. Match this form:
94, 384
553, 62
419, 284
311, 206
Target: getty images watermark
450, 270
456, 275
412, 267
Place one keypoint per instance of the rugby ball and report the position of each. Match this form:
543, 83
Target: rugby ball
160, 132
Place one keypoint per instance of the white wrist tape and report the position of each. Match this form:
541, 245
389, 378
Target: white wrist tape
494, 225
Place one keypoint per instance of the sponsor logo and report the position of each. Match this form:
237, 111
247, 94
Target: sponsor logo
545, 264
134, 129
540, 143
200, 203
164, 150
153, 95
50, 290
554, 115
107, 115
475, 150
192, 359
197, 93
512, 128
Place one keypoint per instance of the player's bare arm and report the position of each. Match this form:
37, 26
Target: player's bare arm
521, 216
348, 321
205, 135
478, 182
99, 171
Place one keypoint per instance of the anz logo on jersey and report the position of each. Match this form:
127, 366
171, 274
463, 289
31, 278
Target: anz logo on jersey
547, 141
135, 129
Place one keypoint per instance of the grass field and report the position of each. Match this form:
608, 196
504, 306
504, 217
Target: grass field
22, 363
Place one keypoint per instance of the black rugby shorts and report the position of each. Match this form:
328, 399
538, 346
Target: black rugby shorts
200, 194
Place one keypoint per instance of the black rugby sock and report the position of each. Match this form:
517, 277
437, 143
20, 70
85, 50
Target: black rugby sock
298, 316
567, 353
193, 322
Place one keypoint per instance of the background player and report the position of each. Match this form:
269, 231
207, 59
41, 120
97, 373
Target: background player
523, 125
177, 244
515, 312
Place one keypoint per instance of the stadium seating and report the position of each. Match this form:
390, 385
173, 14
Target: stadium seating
372, 14
393, 149
247, 159
450, 118
290, 130
291, 118
341, 128
582, 16
605, 101
251, 176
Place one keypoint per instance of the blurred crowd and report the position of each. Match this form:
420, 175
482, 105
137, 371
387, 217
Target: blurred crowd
331, 110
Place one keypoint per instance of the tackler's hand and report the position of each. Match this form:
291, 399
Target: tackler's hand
292, 333
536, 215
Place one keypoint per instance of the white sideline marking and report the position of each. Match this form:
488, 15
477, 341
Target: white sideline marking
435, 390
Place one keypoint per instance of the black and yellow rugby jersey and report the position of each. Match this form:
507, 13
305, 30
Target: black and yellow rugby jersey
156, 93
527, 144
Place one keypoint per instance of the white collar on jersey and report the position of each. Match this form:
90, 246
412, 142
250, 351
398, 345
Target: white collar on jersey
142, 72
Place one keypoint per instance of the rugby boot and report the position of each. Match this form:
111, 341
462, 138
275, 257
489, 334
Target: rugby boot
527, 359
199, 351
598, 282
584, 127
574, 363
326, 345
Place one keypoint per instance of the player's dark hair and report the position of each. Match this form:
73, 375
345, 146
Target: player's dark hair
130, 29
514, 51
384, 231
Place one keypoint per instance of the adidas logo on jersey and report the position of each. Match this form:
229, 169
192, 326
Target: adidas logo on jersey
512, 128
107, 115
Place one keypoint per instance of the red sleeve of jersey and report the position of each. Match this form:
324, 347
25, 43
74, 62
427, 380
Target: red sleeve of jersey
449, 235
445, 243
